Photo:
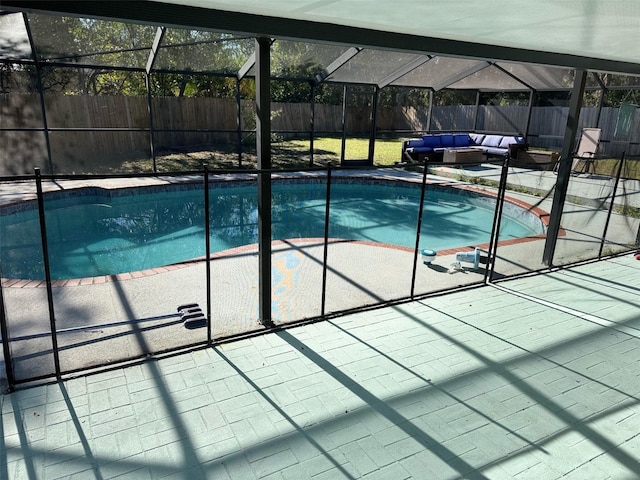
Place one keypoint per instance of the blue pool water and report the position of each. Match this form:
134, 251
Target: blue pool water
107, 233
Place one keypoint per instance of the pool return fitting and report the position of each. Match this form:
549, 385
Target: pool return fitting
474, 257
470, 257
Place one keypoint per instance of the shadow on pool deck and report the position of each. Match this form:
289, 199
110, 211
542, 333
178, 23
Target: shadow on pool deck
533, 378
104, 323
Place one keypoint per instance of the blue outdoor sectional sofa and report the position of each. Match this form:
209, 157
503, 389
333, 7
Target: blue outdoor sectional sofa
432, 146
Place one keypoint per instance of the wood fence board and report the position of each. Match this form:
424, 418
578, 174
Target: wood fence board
191, 121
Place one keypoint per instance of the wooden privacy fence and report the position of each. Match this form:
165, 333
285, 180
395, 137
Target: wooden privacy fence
91, 129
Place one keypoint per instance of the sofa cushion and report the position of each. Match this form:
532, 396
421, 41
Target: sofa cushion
419, 150
507, 140
461, 140
492, 141
495, 150
476, 138
446, 140
415, 143
431, 141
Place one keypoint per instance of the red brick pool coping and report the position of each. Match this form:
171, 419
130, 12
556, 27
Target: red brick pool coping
76, 282
245, 249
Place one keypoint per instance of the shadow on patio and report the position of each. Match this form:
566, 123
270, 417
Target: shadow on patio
476, 384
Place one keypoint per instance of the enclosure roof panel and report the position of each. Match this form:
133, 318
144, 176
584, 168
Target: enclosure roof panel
371, 66
539, 77
14, 40
611, 80
587, 30
87, 41
202, 51
439, 72
527, 44
302, 59
572, 33
490, 78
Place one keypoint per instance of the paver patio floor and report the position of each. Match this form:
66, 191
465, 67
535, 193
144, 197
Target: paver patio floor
534, 378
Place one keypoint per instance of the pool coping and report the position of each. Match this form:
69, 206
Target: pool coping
161, 182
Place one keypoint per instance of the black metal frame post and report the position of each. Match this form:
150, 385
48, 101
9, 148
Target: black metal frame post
416, 253
47, 272
239, 122
43, 108
4, 332
564, 166
263, 147
430, 110
532, 94
326, 240
613, 198
152, 148
603, 92
374, 125
312, 122
497, 221
153, 55
343, 145
476, 110
207, 243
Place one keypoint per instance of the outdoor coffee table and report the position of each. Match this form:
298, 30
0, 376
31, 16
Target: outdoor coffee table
545, 160
462, 155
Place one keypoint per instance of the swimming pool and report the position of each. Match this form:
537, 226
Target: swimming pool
95, 232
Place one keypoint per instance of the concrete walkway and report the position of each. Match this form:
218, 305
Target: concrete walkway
534, 378
584, 188
583, 218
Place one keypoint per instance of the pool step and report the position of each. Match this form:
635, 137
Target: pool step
192, 316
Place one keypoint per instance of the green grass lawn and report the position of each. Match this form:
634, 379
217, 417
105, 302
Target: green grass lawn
295, 154
609, 167
284, 154
386, 152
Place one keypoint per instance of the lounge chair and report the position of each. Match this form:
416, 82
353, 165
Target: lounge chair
586, 151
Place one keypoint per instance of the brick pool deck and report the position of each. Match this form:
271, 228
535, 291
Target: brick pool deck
536, 377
